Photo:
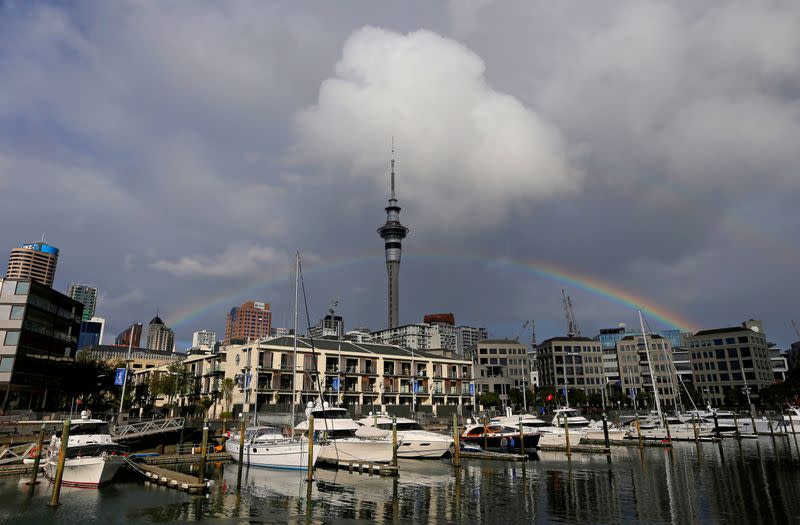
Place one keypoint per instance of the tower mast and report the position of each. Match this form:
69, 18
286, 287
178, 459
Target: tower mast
393, 233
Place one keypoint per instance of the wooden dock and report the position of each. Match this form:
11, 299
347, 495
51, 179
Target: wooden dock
501, 456
627, 442
183, 459
18, 469
170, 478
368, 468
585, 449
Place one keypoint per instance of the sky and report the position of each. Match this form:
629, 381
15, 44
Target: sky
638, 154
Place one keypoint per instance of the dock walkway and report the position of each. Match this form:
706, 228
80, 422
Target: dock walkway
170, 478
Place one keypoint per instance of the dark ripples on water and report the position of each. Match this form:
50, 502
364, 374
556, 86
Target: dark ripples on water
757, 482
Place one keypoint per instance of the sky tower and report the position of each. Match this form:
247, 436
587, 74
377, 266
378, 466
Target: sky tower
393, 234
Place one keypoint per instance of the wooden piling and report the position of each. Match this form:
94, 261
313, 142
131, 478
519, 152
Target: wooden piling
241, 454
201, 474
639, 432
566, 436
694, 427
456, 443
394, 441
606, 441
521, 438
38, 457
310, 477
62, 456
736, 424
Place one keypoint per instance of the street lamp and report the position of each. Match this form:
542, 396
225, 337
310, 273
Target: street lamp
524, 394
175, 396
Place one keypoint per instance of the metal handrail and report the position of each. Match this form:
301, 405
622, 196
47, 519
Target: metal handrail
148, 427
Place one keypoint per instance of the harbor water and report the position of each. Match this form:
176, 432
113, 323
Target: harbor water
755, 481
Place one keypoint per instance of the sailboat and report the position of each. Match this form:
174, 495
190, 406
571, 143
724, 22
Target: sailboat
266, 446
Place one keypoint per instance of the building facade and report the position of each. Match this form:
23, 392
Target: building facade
36, 261
419, 336
87, 296
330, 327
639, 377
446, 324
141, 358
575, 362
131, 336
38, 342
91, 333
727, 360
499, 365
466, 336
349, 373
252, 320
204, 339
159, 336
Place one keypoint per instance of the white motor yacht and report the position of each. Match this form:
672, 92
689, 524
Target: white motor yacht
580, 427
266, 446
343, 439
416, 442
92, 459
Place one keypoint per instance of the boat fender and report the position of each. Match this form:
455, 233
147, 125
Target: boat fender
33, 453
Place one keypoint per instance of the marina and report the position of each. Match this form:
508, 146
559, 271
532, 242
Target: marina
728, 482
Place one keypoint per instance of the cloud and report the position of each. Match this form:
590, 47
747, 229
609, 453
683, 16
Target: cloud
239, 260
466, 153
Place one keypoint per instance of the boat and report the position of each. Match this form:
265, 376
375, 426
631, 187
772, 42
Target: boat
342, 439
92, 459
495, 437
416, 442
266, 446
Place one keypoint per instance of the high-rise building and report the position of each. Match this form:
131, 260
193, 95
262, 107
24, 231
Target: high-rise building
91, 333
467, 336
637, 372
499, 365
419, 336
159, 336
35, 260
252, 320
575, 361
130, 336
445, 323
204, 338
393, 233
87, 296
38, 336
330, 327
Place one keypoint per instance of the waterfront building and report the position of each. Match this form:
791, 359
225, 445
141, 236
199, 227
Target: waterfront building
141, 358
637, 377
251, 320
467, 336
91, 333
160, 336
204, 339
86, 295
359, 336
420, 336
727, 360
780, 365
36, 261
366, 374
279, 331
499, 365
130, 336
576, 362
330, 327
393, 233
201, 378
609, 337
38, 342
446, 323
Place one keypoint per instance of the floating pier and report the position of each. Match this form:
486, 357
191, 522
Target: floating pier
170, 478
588, 449
369, 468
17, 469
183, 459
501, 456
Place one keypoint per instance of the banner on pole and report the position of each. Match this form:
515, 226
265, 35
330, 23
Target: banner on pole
119, 377
335, 384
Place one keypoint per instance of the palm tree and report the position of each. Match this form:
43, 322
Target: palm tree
227, 392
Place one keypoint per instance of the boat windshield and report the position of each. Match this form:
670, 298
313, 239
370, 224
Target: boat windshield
85, 429
331, 414
401, 426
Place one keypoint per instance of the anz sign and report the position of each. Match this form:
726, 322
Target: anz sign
40, 247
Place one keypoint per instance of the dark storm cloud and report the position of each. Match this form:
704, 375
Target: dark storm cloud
180, 152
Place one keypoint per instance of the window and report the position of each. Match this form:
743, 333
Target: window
12, 338
733, 352
730, 341
742, 339
717, 342
745, 351
17, 312
6, 364
23, 287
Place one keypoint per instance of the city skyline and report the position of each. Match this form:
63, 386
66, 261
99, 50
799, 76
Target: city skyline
633, 160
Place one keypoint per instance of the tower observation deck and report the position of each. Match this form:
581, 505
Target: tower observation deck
393, 233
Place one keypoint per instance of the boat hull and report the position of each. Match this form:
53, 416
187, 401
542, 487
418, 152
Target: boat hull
413, 448
284, 456
504, 442
86, 472
364, 450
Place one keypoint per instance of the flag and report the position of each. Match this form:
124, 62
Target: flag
549, 397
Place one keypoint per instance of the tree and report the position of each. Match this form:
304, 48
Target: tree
227, 392
515, 396
489, 399
577, 396
204, 403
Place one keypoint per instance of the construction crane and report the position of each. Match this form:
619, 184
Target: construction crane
569, 312
521, 329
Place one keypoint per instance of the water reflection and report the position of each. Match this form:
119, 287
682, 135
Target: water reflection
751, 481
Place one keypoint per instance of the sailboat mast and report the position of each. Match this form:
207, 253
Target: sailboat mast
650, 366
294, 351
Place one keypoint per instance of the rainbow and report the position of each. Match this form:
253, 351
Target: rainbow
591, 284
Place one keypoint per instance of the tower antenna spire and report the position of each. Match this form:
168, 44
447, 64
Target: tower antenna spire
392, 197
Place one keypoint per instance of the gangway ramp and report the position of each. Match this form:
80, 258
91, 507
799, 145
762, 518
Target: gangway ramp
147, 428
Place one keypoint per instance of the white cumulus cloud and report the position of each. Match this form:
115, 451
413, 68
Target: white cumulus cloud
238, 260
466, 153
